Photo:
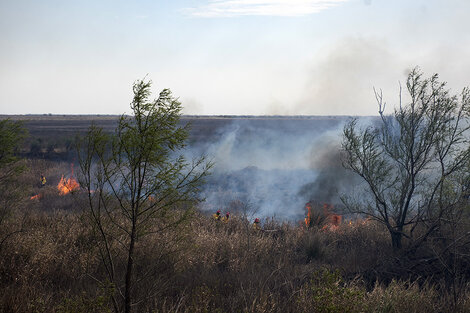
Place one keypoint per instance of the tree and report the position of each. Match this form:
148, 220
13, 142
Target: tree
414, 161
135, 182
12, 135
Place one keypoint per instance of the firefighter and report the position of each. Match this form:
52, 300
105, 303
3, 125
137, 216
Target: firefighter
226, 217
217, 216
42, 181
256, 224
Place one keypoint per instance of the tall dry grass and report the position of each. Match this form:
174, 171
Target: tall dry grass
53, 265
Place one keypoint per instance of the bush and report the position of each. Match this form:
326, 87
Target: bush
327, 292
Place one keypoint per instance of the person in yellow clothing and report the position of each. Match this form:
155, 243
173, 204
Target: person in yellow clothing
226, 217
42, 180
256, 224
217, 216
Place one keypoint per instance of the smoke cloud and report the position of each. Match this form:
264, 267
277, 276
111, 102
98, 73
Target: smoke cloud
342, 79
274, 165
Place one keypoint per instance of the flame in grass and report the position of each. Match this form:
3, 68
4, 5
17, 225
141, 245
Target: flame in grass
333, 222
330, 220
335, 219
36, 197
69, 185
66, 186
308, 207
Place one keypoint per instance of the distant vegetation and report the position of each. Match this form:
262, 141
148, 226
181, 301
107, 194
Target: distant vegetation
70, 251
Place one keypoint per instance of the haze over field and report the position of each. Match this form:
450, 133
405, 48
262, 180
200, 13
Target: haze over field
225, 57
273, 165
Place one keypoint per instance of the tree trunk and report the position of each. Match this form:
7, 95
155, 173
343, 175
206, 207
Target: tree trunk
396, 239
130, 265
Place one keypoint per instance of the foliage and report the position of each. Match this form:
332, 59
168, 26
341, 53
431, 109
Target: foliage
327, 293
12, 134
414, 163
83, 303
135, 181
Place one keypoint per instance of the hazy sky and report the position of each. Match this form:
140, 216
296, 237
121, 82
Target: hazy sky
226, 56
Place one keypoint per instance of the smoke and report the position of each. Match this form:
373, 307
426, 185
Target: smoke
343, 77
332, 180
192, 106
274, 165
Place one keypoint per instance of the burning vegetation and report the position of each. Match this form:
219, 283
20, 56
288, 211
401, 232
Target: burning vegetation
67, 185
37, 197
321, 216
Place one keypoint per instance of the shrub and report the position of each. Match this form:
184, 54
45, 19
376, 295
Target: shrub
327, 292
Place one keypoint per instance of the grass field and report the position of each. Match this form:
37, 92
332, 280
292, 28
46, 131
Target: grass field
50, 262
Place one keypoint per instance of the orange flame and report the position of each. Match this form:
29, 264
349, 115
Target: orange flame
66, 186
335, 219
308, 206
36, 197
332, 220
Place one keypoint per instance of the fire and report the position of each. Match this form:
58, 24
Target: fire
36, 197
66, 186
335, 219
308, 206
331, 220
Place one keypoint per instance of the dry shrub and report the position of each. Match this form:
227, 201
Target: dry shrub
400, 297
357, 248
48, 258
311, 246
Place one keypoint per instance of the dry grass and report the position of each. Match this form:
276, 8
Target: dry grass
52, 265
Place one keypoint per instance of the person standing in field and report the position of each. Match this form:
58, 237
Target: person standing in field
217, 216
42, 181
256, 225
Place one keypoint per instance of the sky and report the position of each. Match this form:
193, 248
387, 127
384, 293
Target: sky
226, 57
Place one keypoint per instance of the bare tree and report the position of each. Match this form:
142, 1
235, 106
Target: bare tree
414, 161
247, 213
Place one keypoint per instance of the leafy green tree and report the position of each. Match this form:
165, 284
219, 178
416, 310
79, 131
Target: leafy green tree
136, 181
12, 135
414, 162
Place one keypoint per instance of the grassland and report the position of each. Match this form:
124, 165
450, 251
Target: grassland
49, 260
50, 263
